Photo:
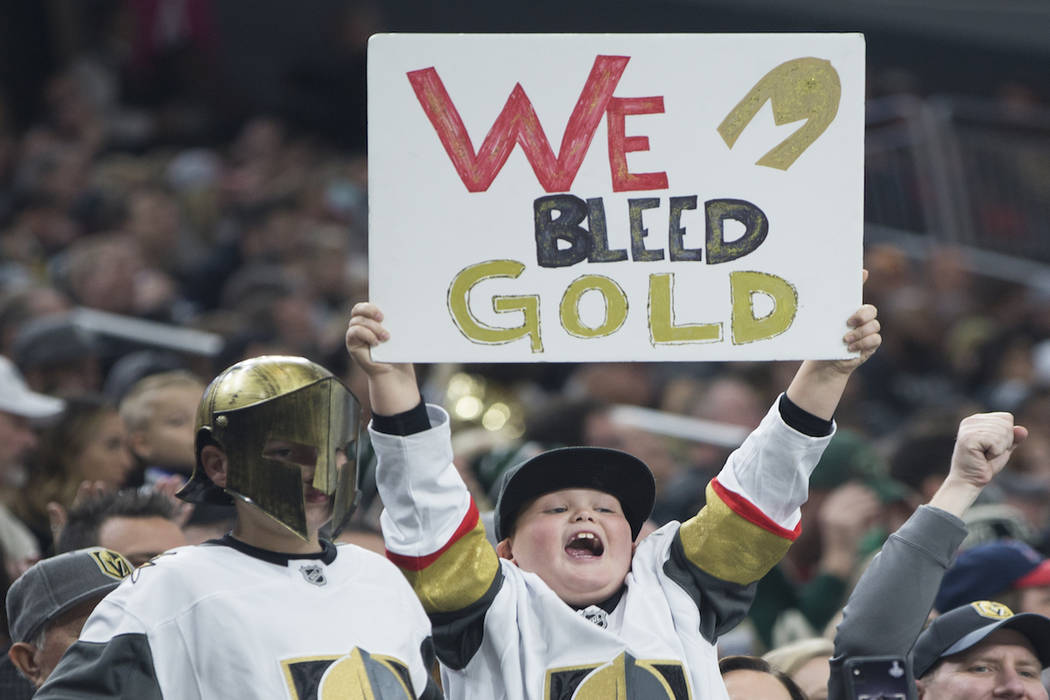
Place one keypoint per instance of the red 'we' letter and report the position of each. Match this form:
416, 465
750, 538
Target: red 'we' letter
518, 123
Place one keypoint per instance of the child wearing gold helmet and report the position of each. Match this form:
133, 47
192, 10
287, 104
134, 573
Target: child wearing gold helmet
272, 609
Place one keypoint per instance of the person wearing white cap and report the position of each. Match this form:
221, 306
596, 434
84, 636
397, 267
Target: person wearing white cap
19, 407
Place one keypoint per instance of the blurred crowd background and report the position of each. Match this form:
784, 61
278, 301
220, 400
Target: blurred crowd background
183, 184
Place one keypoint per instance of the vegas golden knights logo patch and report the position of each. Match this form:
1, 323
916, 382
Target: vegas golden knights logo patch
111, 564
623, 678
991, 609
356, 676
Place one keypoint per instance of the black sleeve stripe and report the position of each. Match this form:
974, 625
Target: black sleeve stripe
119, 668
802, 420
414, 420
432, 691
722, 604
458, 635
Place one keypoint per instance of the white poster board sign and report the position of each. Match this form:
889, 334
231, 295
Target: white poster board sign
615, 197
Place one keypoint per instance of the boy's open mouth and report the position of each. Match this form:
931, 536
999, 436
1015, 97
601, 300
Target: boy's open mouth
584, 544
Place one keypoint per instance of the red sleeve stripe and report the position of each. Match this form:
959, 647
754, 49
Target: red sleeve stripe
750, 512
470, 521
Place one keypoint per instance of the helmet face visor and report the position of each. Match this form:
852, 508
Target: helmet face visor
343, 474
323, 418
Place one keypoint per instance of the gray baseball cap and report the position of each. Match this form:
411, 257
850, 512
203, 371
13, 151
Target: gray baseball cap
968, 625
19, 399
52, 586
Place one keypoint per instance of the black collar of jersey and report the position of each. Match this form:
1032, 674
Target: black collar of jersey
326, 555
608, 605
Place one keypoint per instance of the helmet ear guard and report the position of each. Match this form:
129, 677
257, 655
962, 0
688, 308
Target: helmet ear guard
279, 398
200, 488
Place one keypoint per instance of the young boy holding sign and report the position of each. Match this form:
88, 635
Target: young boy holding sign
568, 604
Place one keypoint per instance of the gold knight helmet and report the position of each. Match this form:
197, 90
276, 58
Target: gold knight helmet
291, 399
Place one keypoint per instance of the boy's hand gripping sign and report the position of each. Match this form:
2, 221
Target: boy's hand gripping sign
615, 197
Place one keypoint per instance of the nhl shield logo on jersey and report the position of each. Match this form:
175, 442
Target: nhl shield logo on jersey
593, 613
623, 678
356, 676
313, 573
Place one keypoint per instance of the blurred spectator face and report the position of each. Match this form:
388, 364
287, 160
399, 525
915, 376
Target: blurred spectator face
26, 305
261, 139
616, 382
807, 663
166, 436
745, 684
295, 323
153, 219
66, 177
70, 110
731, 400
110, 274
1003, 666
59, 635
327, 263
888, 269
82, 376
102, 273
140, 539
279, 238
105, 455
51, 227
601, 431
813, 678
20, 405
726, 400
41, 301
255, 162
16, 439
1035, 600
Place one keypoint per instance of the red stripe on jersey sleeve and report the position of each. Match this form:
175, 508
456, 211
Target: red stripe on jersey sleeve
750, 512
469, 522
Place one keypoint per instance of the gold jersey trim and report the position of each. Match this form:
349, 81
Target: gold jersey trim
727, 546
459, 577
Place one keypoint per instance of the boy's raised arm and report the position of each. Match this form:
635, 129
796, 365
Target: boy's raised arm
752, 507
773, 475
818, 384
431, 525
392, 388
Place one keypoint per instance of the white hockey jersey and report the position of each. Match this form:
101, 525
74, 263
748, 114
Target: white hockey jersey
502, 633
224, 620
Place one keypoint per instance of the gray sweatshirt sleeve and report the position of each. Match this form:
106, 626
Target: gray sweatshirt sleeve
888, 608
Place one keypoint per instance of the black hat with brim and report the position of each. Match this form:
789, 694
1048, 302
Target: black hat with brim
968, 625
614, 472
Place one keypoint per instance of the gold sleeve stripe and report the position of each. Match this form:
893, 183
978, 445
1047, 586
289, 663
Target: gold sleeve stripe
728, 546
749, 512
458, 574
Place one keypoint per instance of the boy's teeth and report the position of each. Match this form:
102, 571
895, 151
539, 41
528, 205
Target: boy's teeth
587, 541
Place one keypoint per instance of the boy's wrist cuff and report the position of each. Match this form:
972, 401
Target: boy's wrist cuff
802, 420
414, 420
